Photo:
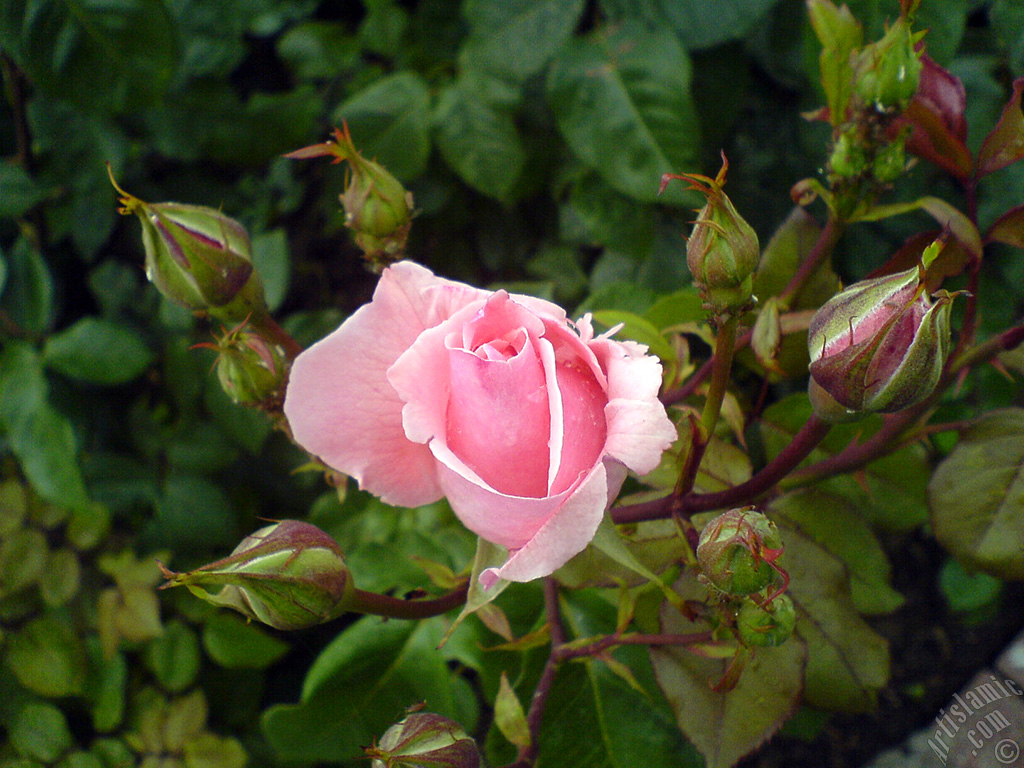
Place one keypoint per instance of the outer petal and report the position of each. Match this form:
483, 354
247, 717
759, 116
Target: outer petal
339, 403
639, 430
566, 533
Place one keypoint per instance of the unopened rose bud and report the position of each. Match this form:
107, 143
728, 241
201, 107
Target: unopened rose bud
888, 71
251, 370
378, 209
197, 257
722, 252
767, 625
289, 575
425, 740
738, 552
881, 344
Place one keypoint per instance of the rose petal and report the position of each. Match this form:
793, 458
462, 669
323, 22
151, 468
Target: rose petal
566, 533
339, 403
510, 521
639, 430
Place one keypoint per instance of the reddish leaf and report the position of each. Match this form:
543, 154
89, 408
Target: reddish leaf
936, 116
1005, 144
1008, 228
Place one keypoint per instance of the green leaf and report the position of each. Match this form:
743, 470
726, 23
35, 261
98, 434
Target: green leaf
39, 436
514, 39
359, 684
725, 726
98, 351
479, 141
621, 98
1006, 18
834, 522
40, 731
28, 295
18, 193
318, 49
974, 594
509, 716
23, 555
611, 219
847, 662
107, 687
383, 27
101, 55
235, 643
174, 657
976, 496
272, 259
390, 123
702, 24
47, 657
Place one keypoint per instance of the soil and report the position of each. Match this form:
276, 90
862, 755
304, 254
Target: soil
934, 654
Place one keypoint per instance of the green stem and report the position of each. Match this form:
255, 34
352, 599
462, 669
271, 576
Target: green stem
397, 608
267, 327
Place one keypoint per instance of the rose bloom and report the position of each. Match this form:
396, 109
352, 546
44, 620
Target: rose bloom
525, 421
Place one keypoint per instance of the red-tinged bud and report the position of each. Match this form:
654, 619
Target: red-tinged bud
888, 71
197, 257
289, 575
722, 252
378, 209
880, 345
767, 625
251, 370
425, 740
738, 552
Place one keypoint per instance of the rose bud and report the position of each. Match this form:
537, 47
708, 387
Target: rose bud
888, 71
722, 252
251, 370
377, 207
737, 552
879, 345
424, 740
525, 421
197, 257
768, 625
289, 575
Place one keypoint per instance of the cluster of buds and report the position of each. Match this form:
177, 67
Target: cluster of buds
289, 575
722, 252
879, 345
198, 257
251, 370
424, 739
378, 209
738, 554
868, 87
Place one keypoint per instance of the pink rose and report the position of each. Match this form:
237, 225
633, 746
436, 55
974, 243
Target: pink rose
526, 422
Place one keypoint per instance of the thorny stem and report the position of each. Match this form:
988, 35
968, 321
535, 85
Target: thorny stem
803, 442
561, 651
725, 343
397, 608
528, 753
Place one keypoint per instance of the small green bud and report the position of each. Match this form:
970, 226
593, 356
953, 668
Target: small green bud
197, 257
251, 370
425, 740
738, 552
722, 252
848, 159
768, 625
890, 161
289, 575
888, 71
881, 344
378, 209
